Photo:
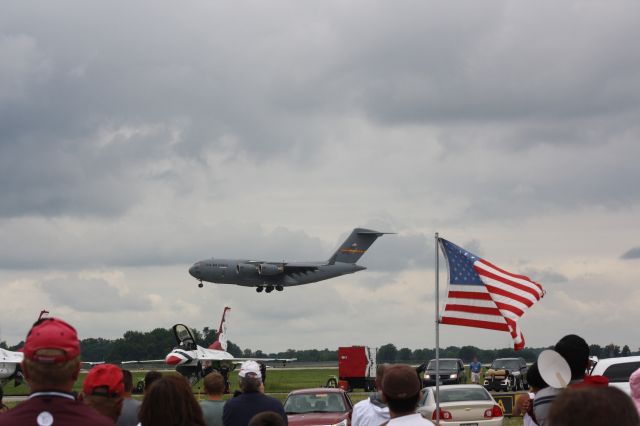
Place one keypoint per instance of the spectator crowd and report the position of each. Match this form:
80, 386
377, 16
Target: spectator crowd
51, 367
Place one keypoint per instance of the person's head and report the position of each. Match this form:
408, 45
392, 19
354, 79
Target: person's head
51, 356
380, 374
575, 350
534, 379
103, 390
250, 377
151, 377
400, 389
634, 385
475, 358
267, 418
214, 384
594, 406
127, 379
170, 402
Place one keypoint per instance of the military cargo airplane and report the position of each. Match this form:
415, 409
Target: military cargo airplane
268, 276
194, 362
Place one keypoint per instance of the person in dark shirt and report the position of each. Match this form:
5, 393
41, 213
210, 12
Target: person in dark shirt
170, 402
51, 366
240, 410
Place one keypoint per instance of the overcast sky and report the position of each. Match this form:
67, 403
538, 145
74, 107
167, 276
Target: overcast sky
138, 137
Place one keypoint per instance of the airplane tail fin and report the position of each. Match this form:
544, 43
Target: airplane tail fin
355, 245
221, 338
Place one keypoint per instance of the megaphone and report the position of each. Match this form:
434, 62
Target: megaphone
554, 369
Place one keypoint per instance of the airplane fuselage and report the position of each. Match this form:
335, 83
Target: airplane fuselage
9, 365
251, 274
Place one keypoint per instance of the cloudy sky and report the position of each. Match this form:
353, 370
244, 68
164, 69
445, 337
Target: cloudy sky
139, 137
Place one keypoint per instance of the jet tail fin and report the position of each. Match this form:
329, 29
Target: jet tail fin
221, 338
355, 245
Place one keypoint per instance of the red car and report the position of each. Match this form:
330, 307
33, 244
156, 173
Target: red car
318, 406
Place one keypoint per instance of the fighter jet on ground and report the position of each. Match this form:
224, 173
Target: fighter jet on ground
10, 362
10, 367
268, 276
194, 361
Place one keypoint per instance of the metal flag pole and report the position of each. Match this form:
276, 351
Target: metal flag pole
437, 330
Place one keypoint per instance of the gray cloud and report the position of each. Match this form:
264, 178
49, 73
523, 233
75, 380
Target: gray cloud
633, 253
84, 294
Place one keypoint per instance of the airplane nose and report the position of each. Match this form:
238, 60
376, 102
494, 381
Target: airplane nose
193, 271
173, 360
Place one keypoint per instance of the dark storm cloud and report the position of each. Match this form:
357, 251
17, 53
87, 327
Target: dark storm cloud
633, 253
229, 82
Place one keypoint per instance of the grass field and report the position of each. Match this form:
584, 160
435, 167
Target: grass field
278, 384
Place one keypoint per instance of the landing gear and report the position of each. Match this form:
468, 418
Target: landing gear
200, 284
269, 288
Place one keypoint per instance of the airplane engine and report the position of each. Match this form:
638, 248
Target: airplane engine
246, 269
270, 269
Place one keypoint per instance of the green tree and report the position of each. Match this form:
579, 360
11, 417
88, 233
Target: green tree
387, 353
626, 351
234, 349
404, 355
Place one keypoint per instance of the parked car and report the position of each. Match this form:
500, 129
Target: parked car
617, 370
318, 406
461, 405
451, 372
506, 374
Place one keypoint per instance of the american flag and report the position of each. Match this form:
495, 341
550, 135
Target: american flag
484, 296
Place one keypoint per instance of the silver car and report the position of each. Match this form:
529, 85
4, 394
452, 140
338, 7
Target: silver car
462, 405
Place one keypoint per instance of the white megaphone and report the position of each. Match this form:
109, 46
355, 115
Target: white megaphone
554, 369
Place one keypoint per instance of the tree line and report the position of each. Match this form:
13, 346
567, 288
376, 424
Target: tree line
155, 344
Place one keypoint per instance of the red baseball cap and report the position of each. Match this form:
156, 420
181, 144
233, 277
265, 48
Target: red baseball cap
104, 380
51, 333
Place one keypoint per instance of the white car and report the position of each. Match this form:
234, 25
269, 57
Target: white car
617, 370
462, 405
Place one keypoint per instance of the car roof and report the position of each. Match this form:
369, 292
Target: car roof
316, 390
606, 362
463, 386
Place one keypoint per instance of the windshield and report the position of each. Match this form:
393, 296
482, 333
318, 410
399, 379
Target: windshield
463, 394
445, 364
314, 403
507, 364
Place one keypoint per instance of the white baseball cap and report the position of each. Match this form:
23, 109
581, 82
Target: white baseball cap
249, 368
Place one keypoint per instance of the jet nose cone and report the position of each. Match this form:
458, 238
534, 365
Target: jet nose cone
173, 359
193, 271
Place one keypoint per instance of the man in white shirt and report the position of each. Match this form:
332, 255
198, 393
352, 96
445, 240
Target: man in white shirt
372, 411
401, 391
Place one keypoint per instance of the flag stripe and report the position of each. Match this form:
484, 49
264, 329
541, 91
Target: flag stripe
517, 286
472, 309
500, 292
469, 295
474, 323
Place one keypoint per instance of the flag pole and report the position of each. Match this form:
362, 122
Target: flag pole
437, 330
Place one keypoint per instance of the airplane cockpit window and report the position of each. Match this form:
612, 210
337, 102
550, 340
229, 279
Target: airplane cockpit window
184, 336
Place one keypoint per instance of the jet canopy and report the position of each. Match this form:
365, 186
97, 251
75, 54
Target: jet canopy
184, 337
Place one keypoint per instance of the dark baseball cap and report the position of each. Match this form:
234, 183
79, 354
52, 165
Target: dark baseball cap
400, 381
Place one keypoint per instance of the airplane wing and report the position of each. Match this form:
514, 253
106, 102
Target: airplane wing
146, 361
